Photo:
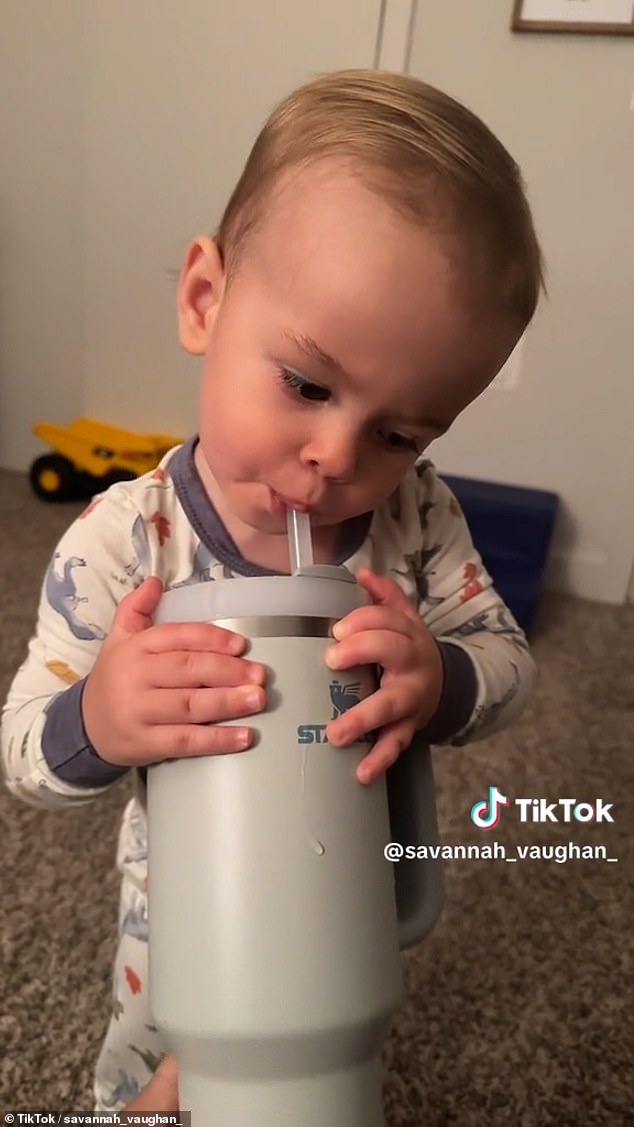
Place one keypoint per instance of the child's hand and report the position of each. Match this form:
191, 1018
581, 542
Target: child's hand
392, 635
154, 691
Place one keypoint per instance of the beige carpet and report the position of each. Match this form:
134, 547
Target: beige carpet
518, 1008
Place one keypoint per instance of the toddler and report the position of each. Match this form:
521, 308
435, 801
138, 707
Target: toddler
374, 268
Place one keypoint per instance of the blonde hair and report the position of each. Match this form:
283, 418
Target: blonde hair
432, 158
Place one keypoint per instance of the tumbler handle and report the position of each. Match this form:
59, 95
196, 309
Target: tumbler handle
419, 883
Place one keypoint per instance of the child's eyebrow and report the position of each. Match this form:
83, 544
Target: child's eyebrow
311, 349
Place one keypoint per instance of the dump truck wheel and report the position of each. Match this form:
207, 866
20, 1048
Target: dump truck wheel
117, 475
89, 485
53, 478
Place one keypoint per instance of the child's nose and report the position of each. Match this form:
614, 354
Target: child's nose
334, 453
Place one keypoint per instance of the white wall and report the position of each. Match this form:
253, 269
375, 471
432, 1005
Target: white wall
42, 81
562, 105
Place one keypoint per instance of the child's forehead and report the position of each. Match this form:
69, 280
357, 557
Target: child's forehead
325, 222
326, 188
322, 173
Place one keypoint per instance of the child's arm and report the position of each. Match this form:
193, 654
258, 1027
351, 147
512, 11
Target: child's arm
41, 720
488, 668
102, 689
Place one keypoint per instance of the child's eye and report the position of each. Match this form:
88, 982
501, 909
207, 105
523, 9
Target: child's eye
315, 393
402, 442
304, 388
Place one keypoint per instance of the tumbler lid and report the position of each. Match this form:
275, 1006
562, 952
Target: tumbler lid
318, 591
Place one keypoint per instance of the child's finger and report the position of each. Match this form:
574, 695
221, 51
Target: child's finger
380, 710
167, 637
391, 743
385, 592
372, 647
201, 706
135, 611
373, 618
192, 740
190, 669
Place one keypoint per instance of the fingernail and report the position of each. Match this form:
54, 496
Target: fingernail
252, 698
339, 631
254, 674
236, 644
331, 657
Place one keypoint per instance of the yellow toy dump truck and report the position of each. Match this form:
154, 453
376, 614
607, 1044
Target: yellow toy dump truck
89, 456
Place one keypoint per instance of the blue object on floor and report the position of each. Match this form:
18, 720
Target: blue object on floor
511, 526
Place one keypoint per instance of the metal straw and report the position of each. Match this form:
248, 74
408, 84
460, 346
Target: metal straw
299, 539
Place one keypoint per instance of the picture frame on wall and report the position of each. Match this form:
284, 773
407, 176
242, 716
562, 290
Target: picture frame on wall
589, 17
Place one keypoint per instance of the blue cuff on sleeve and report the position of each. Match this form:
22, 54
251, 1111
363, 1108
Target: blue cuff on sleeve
458, 698
67, 749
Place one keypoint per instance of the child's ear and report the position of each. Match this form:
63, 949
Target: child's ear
201, 285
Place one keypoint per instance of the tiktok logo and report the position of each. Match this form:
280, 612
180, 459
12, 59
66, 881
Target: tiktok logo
485, 815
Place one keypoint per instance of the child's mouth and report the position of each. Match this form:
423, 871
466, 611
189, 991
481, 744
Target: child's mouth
280, 504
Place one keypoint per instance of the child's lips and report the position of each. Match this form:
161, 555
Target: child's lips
281, 502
